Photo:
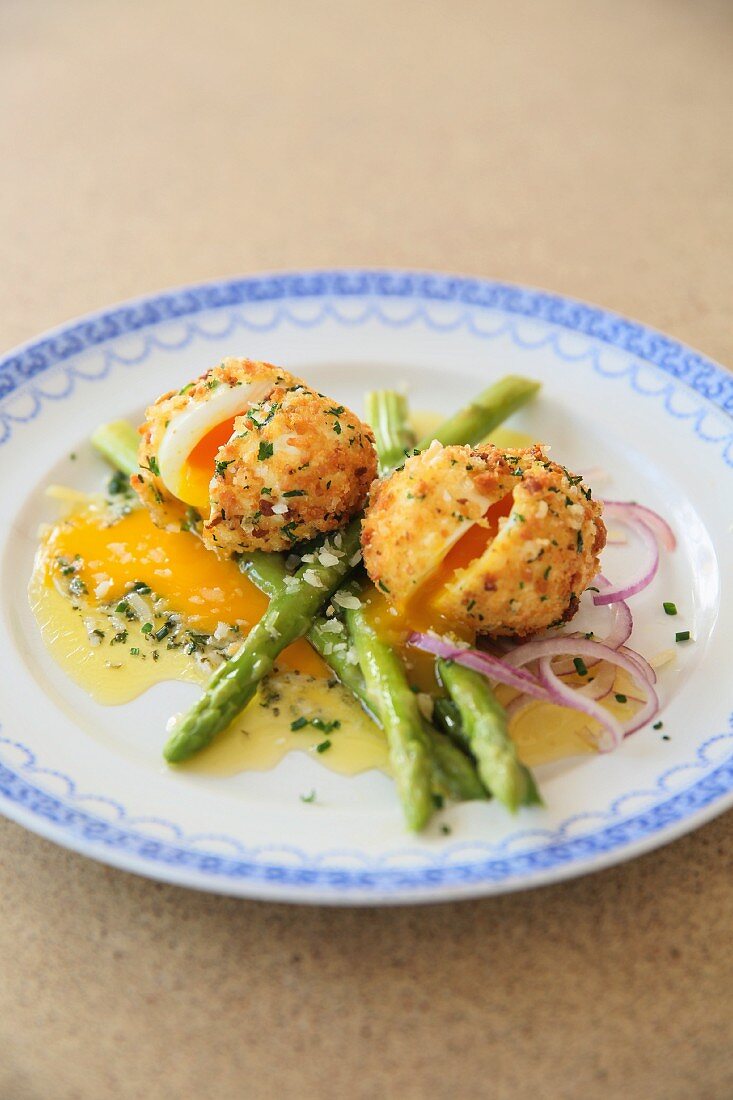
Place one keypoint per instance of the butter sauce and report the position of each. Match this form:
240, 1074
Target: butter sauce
110, 555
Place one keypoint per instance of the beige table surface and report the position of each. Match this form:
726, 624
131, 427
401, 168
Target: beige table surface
582, 146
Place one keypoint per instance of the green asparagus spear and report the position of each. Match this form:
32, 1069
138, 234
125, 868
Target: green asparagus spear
484, 724
454, 775
473, 423
386, 411
446, 715
118, 442
289, 616
409, 747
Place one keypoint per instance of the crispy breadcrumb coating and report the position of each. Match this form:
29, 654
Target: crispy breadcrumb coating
297, 464
536, 559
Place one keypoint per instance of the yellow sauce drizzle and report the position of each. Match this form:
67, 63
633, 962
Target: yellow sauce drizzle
206, 591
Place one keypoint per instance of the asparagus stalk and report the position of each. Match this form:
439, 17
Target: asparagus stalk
409, 746
484, 725
386, 411
473, 423
453, 773
289, 616
118, 442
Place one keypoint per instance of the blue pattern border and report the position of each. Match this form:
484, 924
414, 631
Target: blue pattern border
121, 840
688, 366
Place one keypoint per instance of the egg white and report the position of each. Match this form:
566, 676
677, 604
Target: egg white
190, 426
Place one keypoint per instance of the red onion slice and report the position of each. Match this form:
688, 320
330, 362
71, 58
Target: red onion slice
617, 509
480, 661
549, 688
621, 626
652, 530
648, 571
569, 697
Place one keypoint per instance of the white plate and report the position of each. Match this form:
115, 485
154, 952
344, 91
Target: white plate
616, 395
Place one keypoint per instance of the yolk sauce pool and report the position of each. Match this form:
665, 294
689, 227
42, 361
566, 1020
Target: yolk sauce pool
205, 591
176, 565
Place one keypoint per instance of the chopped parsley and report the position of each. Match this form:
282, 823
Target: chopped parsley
295, 493
265, 450
221, 466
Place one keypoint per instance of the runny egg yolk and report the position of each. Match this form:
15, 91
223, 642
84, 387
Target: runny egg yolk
198, 469
175, 564
420, 613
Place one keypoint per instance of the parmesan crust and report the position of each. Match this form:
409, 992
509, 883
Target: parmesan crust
538, 560
297, 464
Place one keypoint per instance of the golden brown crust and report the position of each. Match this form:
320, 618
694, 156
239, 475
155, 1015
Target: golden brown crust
303, 467
317, 476
532, 572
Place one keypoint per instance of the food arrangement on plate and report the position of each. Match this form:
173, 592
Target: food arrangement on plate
374, 596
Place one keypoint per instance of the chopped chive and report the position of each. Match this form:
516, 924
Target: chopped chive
682, 636
620, 698
299, 723
445, 830
121, 606
657, 725
134, 651
669, 607
146, 628
666, 737
308, 797
438, 801
295, 493
580, 666
323, 746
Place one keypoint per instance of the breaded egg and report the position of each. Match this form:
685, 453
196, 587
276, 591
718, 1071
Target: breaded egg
488, 541
264, 460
